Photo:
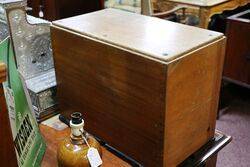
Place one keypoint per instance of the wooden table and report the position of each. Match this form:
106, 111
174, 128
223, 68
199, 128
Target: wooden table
208, 8
205, 156
53, 137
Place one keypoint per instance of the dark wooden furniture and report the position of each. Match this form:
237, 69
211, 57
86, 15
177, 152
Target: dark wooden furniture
205, 156
58, 9
34, 6
146, 86
237, 60
7, 153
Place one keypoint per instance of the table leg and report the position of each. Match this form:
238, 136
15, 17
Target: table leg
204, 16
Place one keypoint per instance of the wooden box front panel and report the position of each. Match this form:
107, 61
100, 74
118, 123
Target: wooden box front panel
121, 94
193, 84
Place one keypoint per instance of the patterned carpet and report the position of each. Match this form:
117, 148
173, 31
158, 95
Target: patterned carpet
236, 122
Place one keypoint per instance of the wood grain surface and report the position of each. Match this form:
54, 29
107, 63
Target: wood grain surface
54, 137
203, 3
58, 9
208, 8
152, 37
113, 89
7, 151
2, 72
193, 85
237, 61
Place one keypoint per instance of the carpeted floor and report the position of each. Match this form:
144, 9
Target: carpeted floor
235, 121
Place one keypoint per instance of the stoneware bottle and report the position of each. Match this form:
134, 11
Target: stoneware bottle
72, 151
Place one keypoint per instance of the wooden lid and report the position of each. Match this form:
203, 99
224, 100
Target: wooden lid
152, 37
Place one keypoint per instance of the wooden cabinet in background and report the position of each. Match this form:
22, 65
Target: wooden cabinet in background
7, 151
237, 60
58, 9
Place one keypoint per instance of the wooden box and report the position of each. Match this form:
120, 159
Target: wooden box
237, 60
146, 86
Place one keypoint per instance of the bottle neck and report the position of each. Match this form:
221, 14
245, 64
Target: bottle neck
76, 129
